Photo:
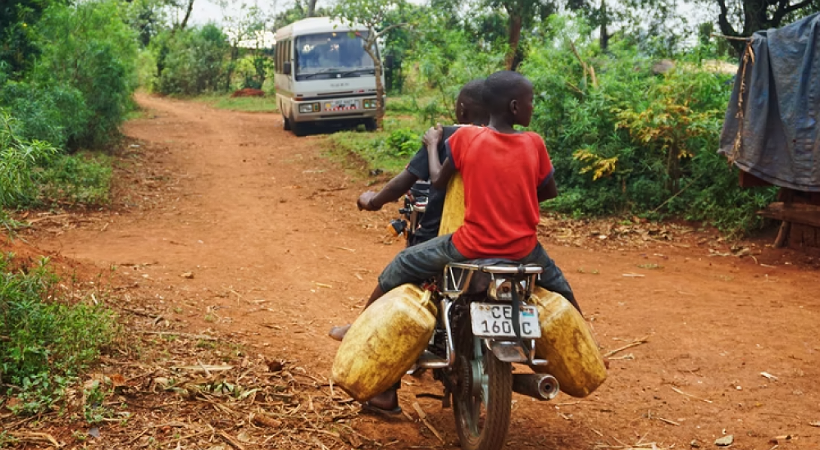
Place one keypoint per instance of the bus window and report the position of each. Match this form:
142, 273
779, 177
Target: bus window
327, 55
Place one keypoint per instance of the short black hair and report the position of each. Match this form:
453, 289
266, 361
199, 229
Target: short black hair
473, 92
503, 87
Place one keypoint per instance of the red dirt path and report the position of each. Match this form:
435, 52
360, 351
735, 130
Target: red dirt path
268, 227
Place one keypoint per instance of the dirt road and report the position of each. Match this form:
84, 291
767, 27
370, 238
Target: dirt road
265, 228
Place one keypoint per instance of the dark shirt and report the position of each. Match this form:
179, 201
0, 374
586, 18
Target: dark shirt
419, 166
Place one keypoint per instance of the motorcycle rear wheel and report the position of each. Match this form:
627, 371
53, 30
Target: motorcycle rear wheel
482, 413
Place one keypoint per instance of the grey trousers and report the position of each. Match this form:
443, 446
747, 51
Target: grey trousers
420, 262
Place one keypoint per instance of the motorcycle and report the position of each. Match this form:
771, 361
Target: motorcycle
478, 338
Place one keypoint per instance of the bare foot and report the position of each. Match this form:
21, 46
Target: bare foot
338, 333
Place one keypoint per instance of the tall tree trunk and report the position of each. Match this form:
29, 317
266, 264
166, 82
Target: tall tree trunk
231, 67
187, 15
311, 8
754, 16
514, 40
370, 49
604, 38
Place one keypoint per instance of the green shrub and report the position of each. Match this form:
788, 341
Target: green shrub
33, 172
190, 61
147, 70
402, 104
53, 112
403, 142
374, 147
82, 178
47, 343
632, 143
18, 159
444, 59
89, 48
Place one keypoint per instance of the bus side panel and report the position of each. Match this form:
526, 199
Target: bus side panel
282, 82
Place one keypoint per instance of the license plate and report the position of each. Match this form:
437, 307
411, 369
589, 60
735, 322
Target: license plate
493, 321
342, 105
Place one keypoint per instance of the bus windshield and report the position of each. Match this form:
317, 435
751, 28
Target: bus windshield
331, 55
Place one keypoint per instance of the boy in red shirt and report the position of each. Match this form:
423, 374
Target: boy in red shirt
506, 175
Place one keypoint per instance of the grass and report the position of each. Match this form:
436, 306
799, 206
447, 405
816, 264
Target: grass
46, 341
246, 104
83, 178
374, 147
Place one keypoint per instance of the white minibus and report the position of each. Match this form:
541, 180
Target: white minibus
324, 75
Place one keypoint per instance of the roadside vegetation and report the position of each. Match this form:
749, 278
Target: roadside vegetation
247, 104
48, 340
632, 123
67, 74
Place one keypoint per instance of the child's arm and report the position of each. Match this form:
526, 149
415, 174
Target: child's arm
440, 174
392, 191
548, 190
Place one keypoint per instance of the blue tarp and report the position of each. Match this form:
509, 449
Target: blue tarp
778, 137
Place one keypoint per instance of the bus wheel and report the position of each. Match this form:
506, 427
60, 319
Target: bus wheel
370, 125
286, 123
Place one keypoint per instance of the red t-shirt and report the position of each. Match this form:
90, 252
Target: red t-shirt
502, 174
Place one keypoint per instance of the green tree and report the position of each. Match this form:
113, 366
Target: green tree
17, 39
739, 18
89, 48
194, 60
522, 15
245, 25
372, 14
447, 56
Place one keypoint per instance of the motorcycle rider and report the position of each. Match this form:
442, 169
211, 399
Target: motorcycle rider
470, 110
506, 175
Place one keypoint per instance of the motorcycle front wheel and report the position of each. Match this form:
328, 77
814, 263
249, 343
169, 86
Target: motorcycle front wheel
482, 399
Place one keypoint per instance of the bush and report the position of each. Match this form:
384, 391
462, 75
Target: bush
190, 61
53, 112
403, 142
633, 143
147, 70
443, 61
387, 150
88, 48
83, 179
18, 159
47, 343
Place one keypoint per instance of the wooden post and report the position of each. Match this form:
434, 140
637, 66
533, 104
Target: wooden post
783, 235
785, 195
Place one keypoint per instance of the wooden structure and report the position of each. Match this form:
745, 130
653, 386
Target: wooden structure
799, 212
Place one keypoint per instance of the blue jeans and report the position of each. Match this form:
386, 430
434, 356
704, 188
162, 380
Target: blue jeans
420, 262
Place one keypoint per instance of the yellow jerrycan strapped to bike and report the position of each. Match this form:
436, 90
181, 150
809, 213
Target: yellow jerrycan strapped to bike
384, 342
567, 344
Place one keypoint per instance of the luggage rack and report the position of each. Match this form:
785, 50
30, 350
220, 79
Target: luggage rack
457, 276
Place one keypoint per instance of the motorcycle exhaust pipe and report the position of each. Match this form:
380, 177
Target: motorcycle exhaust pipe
538, 386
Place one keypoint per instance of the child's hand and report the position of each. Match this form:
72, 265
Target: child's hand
433, 136
364, 201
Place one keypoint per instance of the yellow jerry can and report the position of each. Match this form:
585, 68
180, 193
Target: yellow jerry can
384, 342
452, 214
567, 343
